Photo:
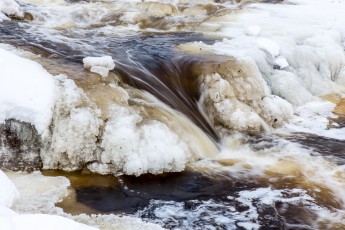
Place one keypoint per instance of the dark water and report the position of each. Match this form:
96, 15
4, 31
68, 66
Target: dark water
188, 200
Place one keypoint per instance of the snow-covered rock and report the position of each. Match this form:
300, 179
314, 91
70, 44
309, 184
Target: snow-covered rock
9, 8
27, 91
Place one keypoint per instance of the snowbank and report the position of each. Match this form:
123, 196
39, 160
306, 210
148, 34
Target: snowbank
9, 8
100, 65
27, 91
11, 220
8, 192
39, 194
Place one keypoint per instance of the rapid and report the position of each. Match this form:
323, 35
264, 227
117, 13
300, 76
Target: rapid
218, 114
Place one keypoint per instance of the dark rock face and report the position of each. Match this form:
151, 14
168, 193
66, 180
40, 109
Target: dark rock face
20, 146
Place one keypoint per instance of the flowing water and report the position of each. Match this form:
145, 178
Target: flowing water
236, 173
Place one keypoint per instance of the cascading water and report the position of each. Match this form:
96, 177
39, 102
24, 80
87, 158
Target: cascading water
217, 115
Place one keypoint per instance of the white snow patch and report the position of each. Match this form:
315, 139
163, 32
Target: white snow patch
313, 118
9, 8
39, 194
27, 91
10, 220
253, 30
9, 197
8, 192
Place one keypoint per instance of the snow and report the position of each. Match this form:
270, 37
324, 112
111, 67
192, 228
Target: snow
8, 192
10, 220
253, 30
39, 194
27, 91
13, 221
313, 118
100, 65
9, 8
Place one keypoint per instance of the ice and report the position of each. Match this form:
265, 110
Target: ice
9, 8
136, 147
100, 65
39, 194
313, 118
238, 98
74, 129
9, 197
269, 46
27, 91
253, 30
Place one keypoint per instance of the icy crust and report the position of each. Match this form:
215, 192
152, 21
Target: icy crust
137, 147
74, 129
100, 65
39, 194
237, 97
294, 59
9, 8
73, 132
313, 117
9, 197
27, 93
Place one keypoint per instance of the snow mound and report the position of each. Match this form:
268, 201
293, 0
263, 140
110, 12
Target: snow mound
9, 8
11, 220
8, 192
100, 65
9, 196
27, 93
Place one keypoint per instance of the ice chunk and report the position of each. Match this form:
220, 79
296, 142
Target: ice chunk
281, 62
100, 65
269, 46
253, 30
